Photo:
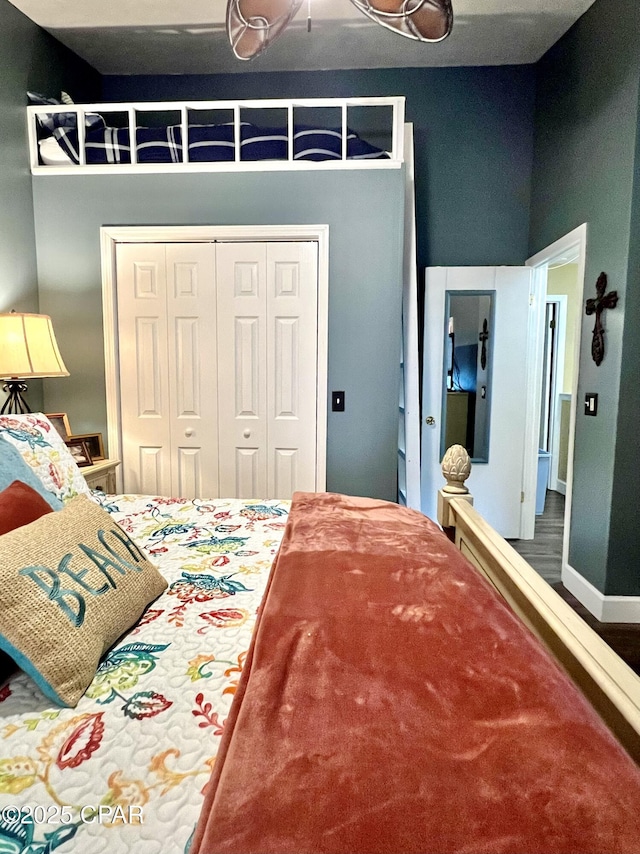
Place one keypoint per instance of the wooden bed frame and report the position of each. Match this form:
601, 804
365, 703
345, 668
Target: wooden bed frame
609, 684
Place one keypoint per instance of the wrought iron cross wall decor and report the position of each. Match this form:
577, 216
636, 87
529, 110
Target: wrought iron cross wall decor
597, 306
484, 337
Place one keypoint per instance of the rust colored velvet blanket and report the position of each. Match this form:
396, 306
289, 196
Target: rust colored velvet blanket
392, 703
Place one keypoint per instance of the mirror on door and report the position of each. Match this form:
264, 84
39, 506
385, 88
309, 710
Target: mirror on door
468, 350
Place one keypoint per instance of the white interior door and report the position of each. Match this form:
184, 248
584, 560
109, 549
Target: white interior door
167, 344
241, 270
497, 484
292, 367
144, 368
191, 326
267, 368
218, 368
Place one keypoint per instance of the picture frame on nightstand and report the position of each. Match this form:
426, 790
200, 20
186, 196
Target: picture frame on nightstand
79, 451
60, 421
94, 443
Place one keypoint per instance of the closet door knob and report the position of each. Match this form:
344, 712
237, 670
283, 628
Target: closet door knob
188, 432
246, 433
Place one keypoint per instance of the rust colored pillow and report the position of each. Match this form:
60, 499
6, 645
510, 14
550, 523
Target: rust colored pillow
20, 505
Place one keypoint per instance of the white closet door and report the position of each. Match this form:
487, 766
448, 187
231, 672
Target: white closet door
267, 376
241, 275
191, 320
167, 338
292, 323
144, 368
218, 368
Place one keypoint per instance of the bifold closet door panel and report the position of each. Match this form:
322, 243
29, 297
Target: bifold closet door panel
192, 355
168, 371
267, 367
241, 277
292, 367
144, 368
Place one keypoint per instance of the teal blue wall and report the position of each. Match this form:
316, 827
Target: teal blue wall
624, 544
584, 166
365, 213
29, 60
473, 132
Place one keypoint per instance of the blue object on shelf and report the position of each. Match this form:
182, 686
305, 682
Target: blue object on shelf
544, 461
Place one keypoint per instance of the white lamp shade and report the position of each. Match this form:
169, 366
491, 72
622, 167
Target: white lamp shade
28, 347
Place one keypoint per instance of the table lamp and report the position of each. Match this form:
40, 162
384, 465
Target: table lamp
28, 349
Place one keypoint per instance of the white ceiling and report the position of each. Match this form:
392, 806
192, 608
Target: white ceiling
188, 37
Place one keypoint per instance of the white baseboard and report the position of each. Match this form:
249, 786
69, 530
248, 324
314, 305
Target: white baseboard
560, 486
606, 609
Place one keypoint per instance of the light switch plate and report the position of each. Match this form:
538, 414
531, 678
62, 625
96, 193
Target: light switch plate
337, 401
590, 404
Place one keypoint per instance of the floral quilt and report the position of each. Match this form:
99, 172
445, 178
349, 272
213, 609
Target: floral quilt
125, 770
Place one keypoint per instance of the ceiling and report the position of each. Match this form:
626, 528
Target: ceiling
188, 36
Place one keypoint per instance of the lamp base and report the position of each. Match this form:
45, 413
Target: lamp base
15, 404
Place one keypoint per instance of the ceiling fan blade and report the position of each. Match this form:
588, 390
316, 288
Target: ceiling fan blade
252, 25
423, 20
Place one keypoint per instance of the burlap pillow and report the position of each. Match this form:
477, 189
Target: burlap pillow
71, 583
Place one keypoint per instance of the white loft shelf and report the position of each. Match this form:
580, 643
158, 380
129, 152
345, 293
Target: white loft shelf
187, 111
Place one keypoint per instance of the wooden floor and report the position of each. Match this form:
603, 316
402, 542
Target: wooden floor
544, 554
544, 551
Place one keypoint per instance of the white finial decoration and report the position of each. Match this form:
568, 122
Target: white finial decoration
456, 468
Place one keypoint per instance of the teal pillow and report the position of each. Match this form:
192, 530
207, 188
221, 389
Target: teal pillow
13, 467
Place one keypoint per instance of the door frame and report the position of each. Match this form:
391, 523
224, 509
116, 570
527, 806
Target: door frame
409, 455
574, 241
110, 236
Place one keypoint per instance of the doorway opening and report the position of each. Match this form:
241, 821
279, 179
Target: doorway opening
555, 350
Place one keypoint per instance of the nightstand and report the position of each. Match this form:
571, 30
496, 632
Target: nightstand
101, 475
